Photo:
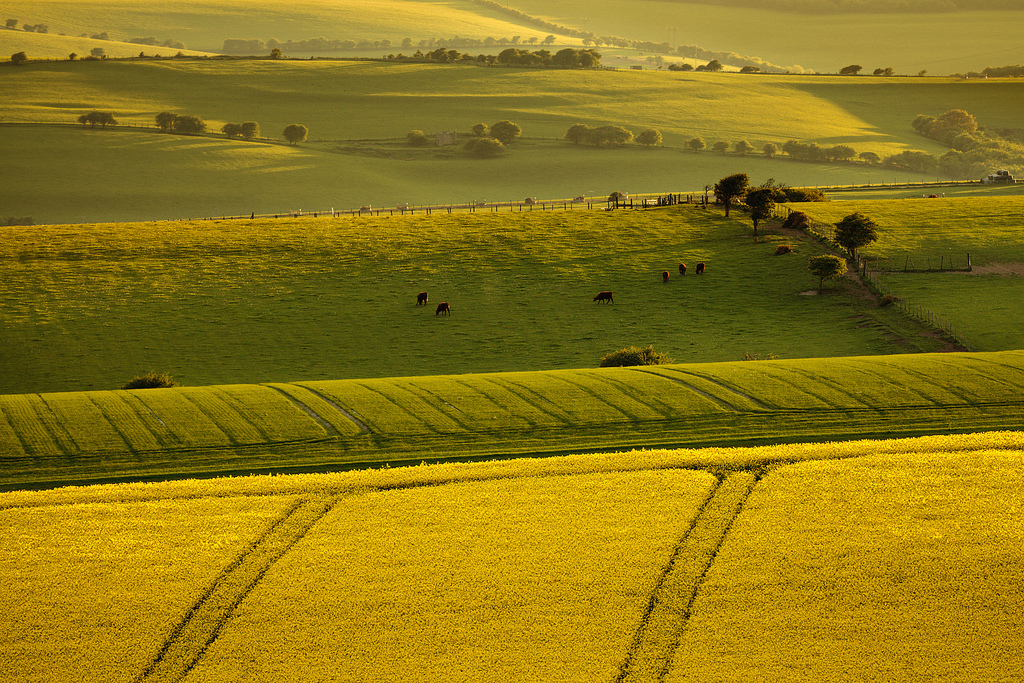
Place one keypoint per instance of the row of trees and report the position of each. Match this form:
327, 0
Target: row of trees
246, 130
169, 122
610, 136
974, 150
103, 118
320, 44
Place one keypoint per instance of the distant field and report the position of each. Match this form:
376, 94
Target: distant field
638, 566
52, 439
941, 42
55, 46
205, 24
926, 233
361, 112
222, 302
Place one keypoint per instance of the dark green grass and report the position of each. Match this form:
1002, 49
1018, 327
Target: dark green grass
328, 298
53, 439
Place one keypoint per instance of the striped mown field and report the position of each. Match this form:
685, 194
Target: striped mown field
895, 560
49, 439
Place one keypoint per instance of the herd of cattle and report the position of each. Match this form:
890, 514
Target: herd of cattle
602, 297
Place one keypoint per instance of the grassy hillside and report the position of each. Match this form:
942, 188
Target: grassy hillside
361, 112
639, 566
222, 302
54, 439
56, 46
929, 233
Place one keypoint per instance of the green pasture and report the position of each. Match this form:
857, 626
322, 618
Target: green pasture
358, 114
674, 565
49, 439
922, 234
941, 42
59, 47
289, 299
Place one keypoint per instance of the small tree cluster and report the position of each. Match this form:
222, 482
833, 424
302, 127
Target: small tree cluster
602, 136
19, 58
103, 118
814, 152
567, 58
484, 147
247, 130
169, 122
152, 380
416, 138
295, 133
634, 355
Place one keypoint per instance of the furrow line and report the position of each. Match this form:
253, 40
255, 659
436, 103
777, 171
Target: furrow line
657, 637
721, 402
328, 427
204, 621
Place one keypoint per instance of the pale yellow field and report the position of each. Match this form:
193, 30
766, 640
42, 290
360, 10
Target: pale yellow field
883, 568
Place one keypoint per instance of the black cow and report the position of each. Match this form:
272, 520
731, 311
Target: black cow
700, 268
604, 296
443, 308
421, 299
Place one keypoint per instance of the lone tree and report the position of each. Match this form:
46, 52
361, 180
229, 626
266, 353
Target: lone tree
231, 129
721, 146
855, 231
762, 203
826, 267
731, 188
416, 138
250, 130
770, 149
649, 137
742, 147
506, 132
481, 130
295, 133
276, 53
19, 58
696, 144
851, 70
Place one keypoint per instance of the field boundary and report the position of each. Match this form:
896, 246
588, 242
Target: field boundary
668, 611
204, 620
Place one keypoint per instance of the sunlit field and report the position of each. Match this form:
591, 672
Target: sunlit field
646, 565
361, 113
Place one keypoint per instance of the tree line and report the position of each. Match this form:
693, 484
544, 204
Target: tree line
974, 151
873, 6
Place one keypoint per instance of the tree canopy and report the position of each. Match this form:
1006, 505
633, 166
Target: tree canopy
855, 231
506, 132
295, 133
730, 188
827, 267
649, 137
762, 203
103, 118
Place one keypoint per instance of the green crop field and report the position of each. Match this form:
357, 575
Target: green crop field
224, 302
49, 439
926, 234
358, 114
632, 566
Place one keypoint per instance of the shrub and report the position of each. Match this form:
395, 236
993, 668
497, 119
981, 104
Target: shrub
888, 300
796, 220
757, 356
416, 138
783, 249
151, 380
634, 355
804, 194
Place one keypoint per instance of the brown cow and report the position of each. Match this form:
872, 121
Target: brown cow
664, 276
604, 296
443, 308
682, 269
700, 268
421, 299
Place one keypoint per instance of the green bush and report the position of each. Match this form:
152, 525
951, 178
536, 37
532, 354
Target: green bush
151, 380
888, 300
634, 355
416, 138
783, 249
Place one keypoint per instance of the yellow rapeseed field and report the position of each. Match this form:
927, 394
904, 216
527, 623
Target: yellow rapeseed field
514, 579
884, 568
90, 592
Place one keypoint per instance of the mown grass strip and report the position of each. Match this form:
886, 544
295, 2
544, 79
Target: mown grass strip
201, 625
276, 417
331, 416
37, 427
190, 425
121, 411
655, 640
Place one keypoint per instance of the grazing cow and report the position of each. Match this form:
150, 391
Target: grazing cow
700, 268
421, 299
604, 296
664, 276
443, 308
682, 269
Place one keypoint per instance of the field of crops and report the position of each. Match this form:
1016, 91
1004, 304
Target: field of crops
633, 566
226, 302
361, 112
50, 439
